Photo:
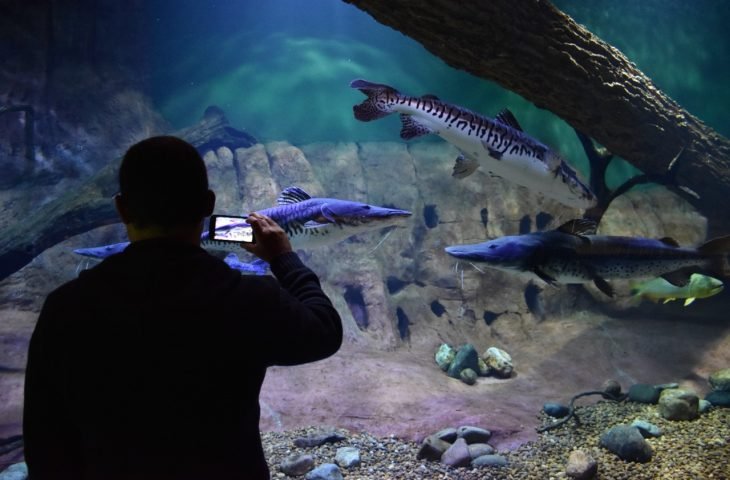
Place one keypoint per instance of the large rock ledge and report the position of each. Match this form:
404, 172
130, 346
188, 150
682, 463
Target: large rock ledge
385, 379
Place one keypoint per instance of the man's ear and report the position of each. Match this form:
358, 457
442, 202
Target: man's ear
209, 203
122, 209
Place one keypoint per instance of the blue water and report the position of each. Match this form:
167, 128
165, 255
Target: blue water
280, 69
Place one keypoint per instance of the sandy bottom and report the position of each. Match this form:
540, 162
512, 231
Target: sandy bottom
404, 393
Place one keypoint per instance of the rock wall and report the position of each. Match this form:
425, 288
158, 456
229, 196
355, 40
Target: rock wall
400, 298
406, 290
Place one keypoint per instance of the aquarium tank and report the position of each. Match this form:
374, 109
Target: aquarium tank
534, 287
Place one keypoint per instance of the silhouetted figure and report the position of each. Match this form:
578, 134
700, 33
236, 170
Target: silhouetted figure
149, 365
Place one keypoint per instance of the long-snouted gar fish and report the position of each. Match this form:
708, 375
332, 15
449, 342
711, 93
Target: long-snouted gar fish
574, 254
308, 221
314, 222
499, 144
699, 286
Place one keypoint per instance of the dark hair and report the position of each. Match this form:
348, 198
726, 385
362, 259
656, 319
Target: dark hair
163, 182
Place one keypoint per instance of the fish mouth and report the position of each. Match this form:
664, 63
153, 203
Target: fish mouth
580, 195
717, 289
467, 252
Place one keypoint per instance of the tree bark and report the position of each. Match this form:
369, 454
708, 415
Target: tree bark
532, 48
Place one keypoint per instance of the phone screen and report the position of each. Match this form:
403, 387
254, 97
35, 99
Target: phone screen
225, 228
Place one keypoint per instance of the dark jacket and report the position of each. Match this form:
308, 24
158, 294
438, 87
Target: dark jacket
149, 365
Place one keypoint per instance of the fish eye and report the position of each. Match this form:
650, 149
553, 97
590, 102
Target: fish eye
492, 246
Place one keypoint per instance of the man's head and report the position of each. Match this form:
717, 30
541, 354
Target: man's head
163, 186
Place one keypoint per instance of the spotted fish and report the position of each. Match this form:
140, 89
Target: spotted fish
575, 254
498, 144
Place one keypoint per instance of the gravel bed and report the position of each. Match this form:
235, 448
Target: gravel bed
698, 449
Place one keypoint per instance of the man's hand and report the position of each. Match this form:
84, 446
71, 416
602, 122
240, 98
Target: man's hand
271, 239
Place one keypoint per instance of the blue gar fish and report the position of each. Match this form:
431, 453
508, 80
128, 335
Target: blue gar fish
308, 221
499, 144
575, 254
257, 267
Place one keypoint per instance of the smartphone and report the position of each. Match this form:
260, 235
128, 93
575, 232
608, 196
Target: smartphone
227, 228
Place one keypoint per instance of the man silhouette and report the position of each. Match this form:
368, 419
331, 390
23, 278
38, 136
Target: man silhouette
149, 365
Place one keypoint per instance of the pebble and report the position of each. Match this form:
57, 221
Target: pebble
666, 386
718, 398
499, 362
720, 380
326, 471
628, 443
490, 461
297, 465
676, 404
457, 455
473, 434
644, 393
468, 376
687, 450
483, 368
555, 410
612, 387
581, 465
447, 434
347, 457
478, 449
433, 448
466, 357
647, 429
318, 439
444, 356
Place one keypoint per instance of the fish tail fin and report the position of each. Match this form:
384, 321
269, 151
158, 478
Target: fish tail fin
717, 251
375, 106
259, 267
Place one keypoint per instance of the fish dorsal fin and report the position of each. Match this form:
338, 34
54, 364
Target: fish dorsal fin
507, 118
669, 241
430, 96
292, 195
716, 246
678, 278
579, 226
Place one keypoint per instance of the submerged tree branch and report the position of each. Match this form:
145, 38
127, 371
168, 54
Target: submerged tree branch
571, 408
600, 159
532, 48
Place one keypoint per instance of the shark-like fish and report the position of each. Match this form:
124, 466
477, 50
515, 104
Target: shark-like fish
573, 253
309, 222
499, 144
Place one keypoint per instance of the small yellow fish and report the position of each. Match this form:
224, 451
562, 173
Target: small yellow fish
699, 286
